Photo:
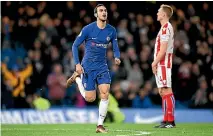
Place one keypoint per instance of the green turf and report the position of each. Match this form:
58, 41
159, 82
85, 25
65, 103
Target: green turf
114, 130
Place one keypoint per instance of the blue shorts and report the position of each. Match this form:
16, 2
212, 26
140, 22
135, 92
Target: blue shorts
91, 78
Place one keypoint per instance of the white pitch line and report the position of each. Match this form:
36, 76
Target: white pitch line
138, 133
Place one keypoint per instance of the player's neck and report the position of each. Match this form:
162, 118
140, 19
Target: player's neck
163, 22
101, 24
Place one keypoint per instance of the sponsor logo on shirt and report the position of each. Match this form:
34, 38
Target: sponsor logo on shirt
102, 45
99, 44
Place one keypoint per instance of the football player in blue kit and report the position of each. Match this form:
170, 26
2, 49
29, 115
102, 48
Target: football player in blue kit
94, 69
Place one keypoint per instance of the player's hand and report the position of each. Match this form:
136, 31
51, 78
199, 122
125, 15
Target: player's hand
154, 68
117, 61
79, 69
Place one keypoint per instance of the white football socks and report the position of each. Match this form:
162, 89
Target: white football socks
80, 86
103, 103
102, 111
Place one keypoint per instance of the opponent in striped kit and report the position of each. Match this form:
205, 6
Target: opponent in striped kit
163, 75
162, 65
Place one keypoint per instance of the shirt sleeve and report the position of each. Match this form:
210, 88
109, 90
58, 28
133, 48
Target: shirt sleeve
78, 41
165, 34
115, 44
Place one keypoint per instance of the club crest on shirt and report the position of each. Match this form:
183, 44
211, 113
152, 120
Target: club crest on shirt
108, 38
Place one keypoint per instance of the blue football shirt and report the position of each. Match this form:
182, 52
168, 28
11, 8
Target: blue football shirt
96, 43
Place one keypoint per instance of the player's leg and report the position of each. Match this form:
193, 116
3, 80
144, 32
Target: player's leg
80, 86
170, 106
103, 80
88, 82
163, 80
72, 79
170, 99
165, 117
84, 82
103, 106
164, 105
159, 85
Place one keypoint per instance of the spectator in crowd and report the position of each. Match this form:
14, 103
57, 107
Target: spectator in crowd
40, 70
68, 63
37, 102
200, 98
15, 82
143, 100
56, 82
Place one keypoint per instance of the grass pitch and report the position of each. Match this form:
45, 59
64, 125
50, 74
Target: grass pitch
198, 129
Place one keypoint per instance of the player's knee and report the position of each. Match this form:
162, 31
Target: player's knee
105, 95
165, 91
162, 92
90, 99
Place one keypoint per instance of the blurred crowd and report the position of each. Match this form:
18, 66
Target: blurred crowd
36, 55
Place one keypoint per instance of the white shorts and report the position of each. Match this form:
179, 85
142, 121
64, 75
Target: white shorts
163, 77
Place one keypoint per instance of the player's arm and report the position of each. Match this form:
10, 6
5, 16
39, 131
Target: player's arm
164, 44
116, 50
78, 41
164, 38
161, 53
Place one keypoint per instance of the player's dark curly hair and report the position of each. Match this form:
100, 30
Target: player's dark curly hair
95, 10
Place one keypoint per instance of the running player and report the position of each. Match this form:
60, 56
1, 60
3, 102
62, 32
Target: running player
94, 69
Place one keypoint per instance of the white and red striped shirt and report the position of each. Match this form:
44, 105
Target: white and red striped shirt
166, 34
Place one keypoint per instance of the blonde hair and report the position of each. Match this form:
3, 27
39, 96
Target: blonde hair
168, 10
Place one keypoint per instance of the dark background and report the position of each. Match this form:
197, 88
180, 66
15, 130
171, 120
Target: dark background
41, 34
